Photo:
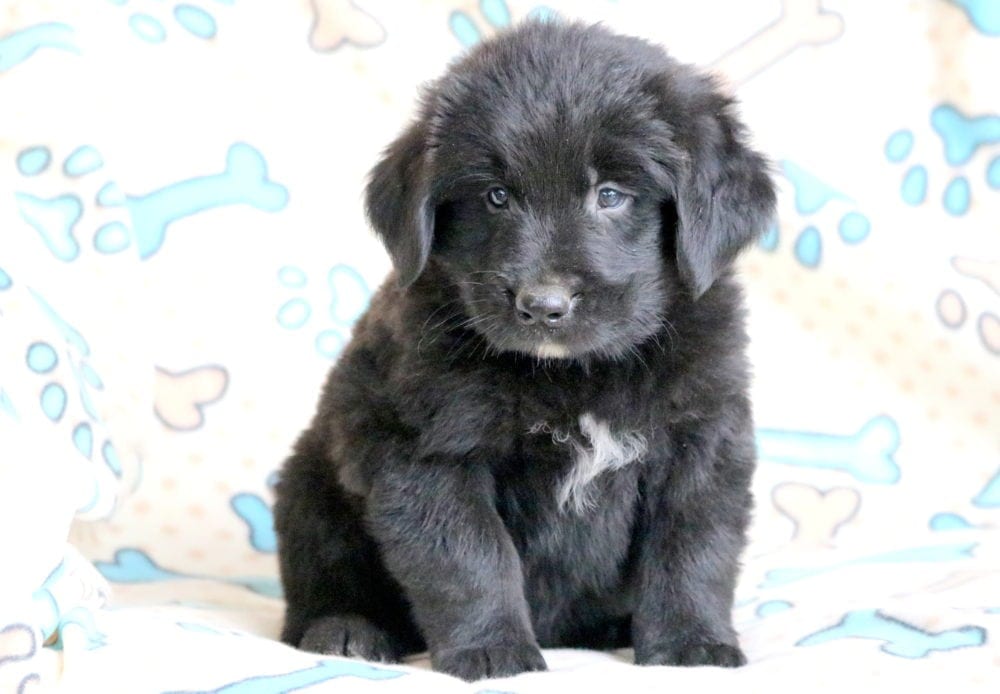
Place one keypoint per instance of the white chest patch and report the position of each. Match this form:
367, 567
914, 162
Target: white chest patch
599, 450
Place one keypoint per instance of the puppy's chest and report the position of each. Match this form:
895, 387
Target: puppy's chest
571, 494
576, 458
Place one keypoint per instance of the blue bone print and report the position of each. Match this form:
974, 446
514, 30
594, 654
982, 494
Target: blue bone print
18, 46
772, 607
949, 521
257, 515
320, 672
244, 181
867, 455
901, 639
962, 135
496, 13
54, 219
132, 565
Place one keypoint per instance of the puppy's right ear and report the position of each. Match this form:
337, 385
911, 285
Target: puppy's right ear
398, 202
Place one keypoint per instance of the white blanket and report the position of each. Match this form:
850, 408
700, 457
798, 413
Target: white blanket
182, 256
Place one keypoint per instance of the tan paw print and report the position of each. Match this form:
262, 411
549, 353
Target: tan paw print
951, 306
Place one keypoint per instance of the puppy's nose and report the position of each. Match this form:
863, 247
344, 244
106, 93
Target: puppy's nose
549, 304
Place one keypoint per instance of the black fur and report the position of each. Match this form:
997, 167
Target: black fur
422, 509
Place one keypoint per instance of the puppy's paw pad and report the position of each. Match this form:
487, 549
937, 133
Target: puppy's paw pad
351, 636
471, 664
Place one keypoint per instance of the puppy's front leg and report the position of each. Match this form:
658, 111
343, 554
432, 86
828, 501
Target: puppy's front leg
442, 540
694, 524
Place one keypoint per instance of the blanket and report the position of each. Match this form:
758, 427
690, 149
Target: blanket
183, 254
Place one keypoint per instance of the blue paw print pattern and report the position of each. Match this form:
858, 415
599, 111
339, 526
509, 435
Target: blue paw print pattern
323, 671
83, 160
68, 387
57, 219
769, 241
961, 137
244, 181
259, 520
7, 405
812, 195
192, 19
19, 45
347, 296
33, 160
866, 455
899, 638
53, 219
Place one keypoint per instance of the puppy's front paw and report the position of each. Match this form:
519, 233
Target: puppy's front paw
472, 664
717, 654
351, 636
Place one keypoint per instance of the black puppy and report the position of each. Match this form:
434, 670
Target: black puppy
540, 434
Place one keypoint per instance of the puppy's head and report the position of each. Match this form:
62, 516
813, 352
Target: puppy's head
571, 184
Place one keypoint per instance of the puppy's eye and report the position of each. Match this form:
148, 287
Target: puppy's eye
498, 197
609, 198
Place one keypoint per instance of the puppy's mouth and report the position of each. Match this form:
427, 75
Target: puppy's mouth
556, 320
550, 345
542, 321
553, 350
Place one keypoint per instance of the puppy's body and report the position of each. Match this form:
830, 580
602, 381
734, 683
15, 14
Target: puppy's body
543, 437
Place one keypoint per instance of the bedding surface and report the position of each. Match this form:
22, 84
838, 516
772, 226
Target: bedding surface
183, 253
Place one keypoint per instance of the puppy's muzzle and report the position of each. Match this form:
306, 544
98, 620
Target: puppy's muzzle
545, 304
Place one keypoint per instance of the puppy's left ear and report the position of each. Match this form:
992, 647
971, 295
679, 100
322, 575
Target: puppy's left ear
724, 193
398, 202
